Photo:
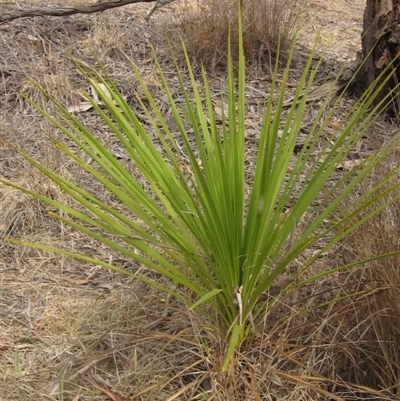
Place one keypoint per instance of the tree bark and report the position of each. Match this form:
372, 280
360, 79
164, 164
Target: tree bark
63, 11
380, 47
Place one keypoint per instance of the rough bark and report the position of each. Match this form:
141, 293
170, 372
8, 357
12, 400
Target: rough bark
62, 11
380, 45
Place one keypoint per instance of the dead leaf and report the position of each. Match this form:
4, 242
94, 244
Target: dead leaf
348, 165
275, 378
104, 89
106, 388
384, 60
77, 282
327, 88
276, 288
86, 106
280, 284
105, 286
220, 115
80, 108
334, 125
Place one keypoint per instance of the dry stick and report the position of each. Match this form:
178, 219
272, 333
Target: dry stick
157, 6
64, 11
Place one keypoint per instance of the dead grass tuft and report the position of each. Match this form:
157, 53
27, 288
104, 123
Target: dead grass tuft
378, 313
204, 29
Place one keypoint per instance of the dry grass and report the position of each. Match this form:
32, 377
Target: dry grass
378, 313
72, 331
205, 27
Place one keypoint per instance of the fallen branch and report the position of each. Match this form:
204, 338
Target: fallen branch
63, 11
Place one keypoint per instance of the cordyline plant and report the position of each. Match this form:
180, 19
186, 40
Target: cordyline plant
219, 239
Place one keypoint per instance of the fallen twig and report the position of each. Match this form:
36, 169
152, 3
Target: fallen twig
63, 11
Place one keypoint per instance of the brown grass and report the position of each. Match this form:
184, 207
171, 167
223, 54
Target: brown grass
205, 27
73, 331
378, 313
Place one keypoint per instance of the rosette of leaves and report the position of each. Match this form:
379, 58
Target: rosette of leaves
220, 236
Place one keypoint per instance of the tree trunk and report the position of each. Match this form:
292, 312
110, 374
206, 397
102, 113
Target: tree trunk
380, 46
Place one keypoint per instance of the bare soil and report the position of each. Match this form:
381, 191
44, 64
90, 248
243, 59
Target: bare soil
72, 331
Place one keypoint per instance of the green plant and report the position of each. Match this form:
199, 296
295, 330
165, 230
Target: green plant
220, 235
